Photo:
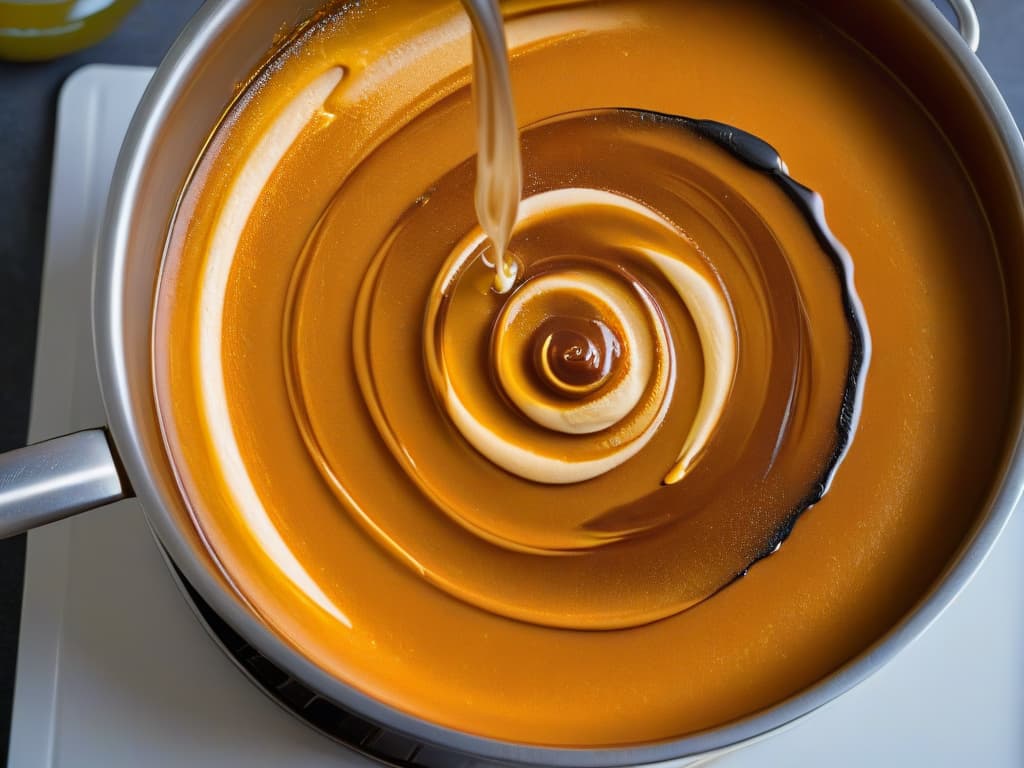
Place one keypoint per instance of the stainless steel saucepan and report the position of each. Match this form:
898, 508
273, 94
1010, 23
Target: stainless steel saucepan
223, 44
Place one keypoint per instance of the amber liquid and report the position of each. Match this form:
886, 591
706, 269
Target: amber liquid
506, 513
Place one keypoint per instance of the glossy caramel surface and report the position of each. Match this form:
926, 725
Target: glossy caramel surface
508, 622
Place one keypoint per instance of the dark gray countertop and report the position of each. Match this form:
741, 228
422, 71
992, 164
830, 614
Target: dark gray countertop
28, 95
28, 101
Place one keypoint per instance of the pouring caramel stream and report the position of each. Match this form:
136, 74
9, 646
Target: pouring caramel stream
499, 166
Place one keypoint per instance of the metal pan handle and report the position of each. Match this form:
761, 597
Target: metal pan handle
58, 478
967, 17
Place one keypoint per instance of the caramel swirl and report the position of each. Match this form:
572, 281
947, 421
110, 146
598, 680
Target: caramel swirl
594, 293
660, 327
632, 344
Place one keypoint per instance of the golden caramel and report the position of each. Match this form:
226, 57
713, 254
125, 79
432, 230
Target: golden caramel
329, 239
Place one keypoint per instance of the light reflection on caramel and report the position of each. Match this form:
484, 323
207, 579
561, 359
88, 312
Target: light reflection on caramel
238, 206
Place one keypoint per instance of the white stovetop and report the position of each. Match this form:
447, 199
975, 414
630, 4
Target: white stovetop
114, 670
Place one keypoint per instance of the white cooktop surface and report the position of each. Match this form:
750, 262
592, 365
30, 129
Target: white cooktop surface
114, 670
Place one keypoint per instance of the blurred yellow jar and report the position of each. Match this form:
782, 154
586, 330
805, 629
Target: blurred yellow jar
35, 30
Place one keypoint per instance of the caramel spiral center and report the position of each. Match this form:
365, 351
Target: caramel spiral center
622, 407
574, 357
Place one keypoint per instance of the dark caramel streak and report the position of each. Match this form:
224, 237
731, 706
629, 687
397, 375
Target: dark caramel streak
763, 157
